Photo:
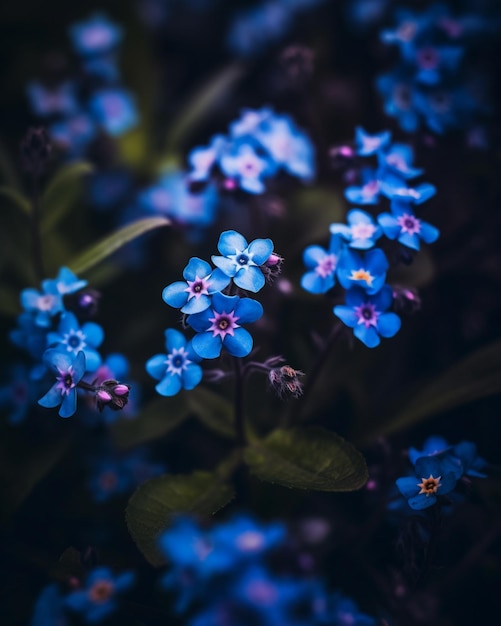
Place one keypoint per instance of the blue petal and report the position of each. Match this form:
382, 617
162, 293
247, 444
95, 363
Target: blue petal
447, 483
231, 242
429, 233
206, 345
248, 310
388, 324
196, 268
175, 294
200, 321
196, 305
169, 386
69, 404
355, 297
408, 486
422, 501
78, 600
93, 359
389, 225
192, 375
340, 229
426, 191
156, 366
347, 315
356, 216
314, 283
410, 241
228, 266
94, 334
312, 255
383, 298
174, 339
368, 336
79, 366
58, 360
51, 399
224, 304
251, 279
376, 261
218, 281
428, 466
240, 344
261, 249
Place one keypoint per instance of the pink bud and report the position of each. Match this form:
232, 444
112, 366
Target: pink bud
273, 259
121, 390
103, 396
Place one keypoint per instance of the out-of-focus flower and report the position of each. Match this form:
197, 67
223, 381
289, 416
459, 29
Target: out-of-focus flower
94, 36
73, 338
321, 265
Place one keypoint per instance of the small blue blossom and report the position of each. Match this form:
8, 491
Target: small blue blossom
368, 316
398, 159
367, 272
18, 393
473, 465
220, 326
366, 144
45, 101
66, 282
243, 163
114, 109
393, 188
45, 305
99, 597
241, 261
178, 369
74, 133
403, 225
459, 459
400, 100
49, 608
361, 233
95, 36
322, 266
202, 159
253, 29
69, 369
435, 481
29, 335
103, 67
73, 338
194, 294
368, 191
245, 538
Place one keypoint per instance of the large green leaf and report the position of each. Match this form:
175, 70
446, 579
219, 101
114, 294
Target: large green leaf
307, 458
114, 242
24, 461
155, 503
16, 198
156, 419
212, 410
476, 376
202, 102
62, 193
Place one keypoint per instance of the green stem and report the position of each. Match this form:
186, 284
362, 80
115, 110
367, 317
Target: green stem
239, 402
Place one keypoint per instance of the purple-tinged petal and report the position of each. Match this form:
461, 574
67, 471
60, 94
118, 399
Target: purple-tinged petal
312, 255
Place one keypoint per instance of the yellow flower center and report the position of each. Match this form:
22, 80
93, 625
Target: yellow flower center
429, 485
362, 275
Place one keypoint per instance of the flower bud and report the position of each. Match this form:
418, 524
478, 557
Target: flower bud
285, 381
272, 268
112, 394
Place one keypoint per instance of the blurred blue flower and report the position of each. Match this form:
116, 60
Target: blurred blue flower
66, 282
99, 598
29, 335
243, 163
95, 36
241, 260
48, 101
220, 326
367, 272
361, 232
435, 480
18, 392
368, 191
49, 608
44, 305
73, 338
397, 158
114, 109
368, 316
194, 294
400, 99
69, 369
245, 538
367, 144
74, 133
178, 369
322, 266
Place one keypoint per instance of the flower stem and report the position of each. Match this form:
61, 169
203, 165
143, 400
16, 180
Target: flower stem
239, 402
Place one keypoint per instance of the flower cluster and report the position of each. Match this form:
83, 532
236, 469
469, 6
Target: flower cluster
427, 86
259, 145
57, 342
438, 466
352, 259
216, 317
77, 111
223, 570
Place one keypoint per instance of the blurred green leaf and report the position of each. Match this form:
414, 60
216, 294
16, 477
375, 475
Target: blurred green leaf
201, 104
8, 171
16, 198
155, 503
24, 462
212, 410
156, 419
62, 193
307, 458
476, 376
114, 242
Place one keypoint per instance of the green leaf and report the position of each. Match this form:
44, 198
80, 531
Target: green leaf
16, 198
212, 410
25, 461
476, 376
307, 458
155, 503
156, 420
202, 103
99, 251
62, 193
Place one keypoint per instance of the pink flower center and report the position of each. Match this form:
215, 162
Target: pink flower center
370, 189
262, 593
326, 266
65, 381
367, 314
101, 591
223, 324
362, 231
196, 288
409, 224
250, 541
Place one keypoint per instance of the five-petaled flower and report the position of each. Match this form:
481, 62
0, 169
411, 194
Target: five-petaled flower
73, 338
69, 369
435, 480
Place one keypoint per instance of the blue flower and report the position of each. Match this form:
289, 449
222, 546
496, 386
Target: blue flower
368, 191
367, 315
74, 133
220, 326
19, 393
367, 272
114, 109
99, 597
29, 335
400, 100
244, 538
403, 225
322, 266
49, 608
178, 368
97, 35
459, 459
393, 188
202, 159
398, 159
66, 282
72, 338
473, 465
435, 481
241, 261
59, 100
43, 304
366, 144
69, 369
108, 479
243, 163
361, 233
194, 295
